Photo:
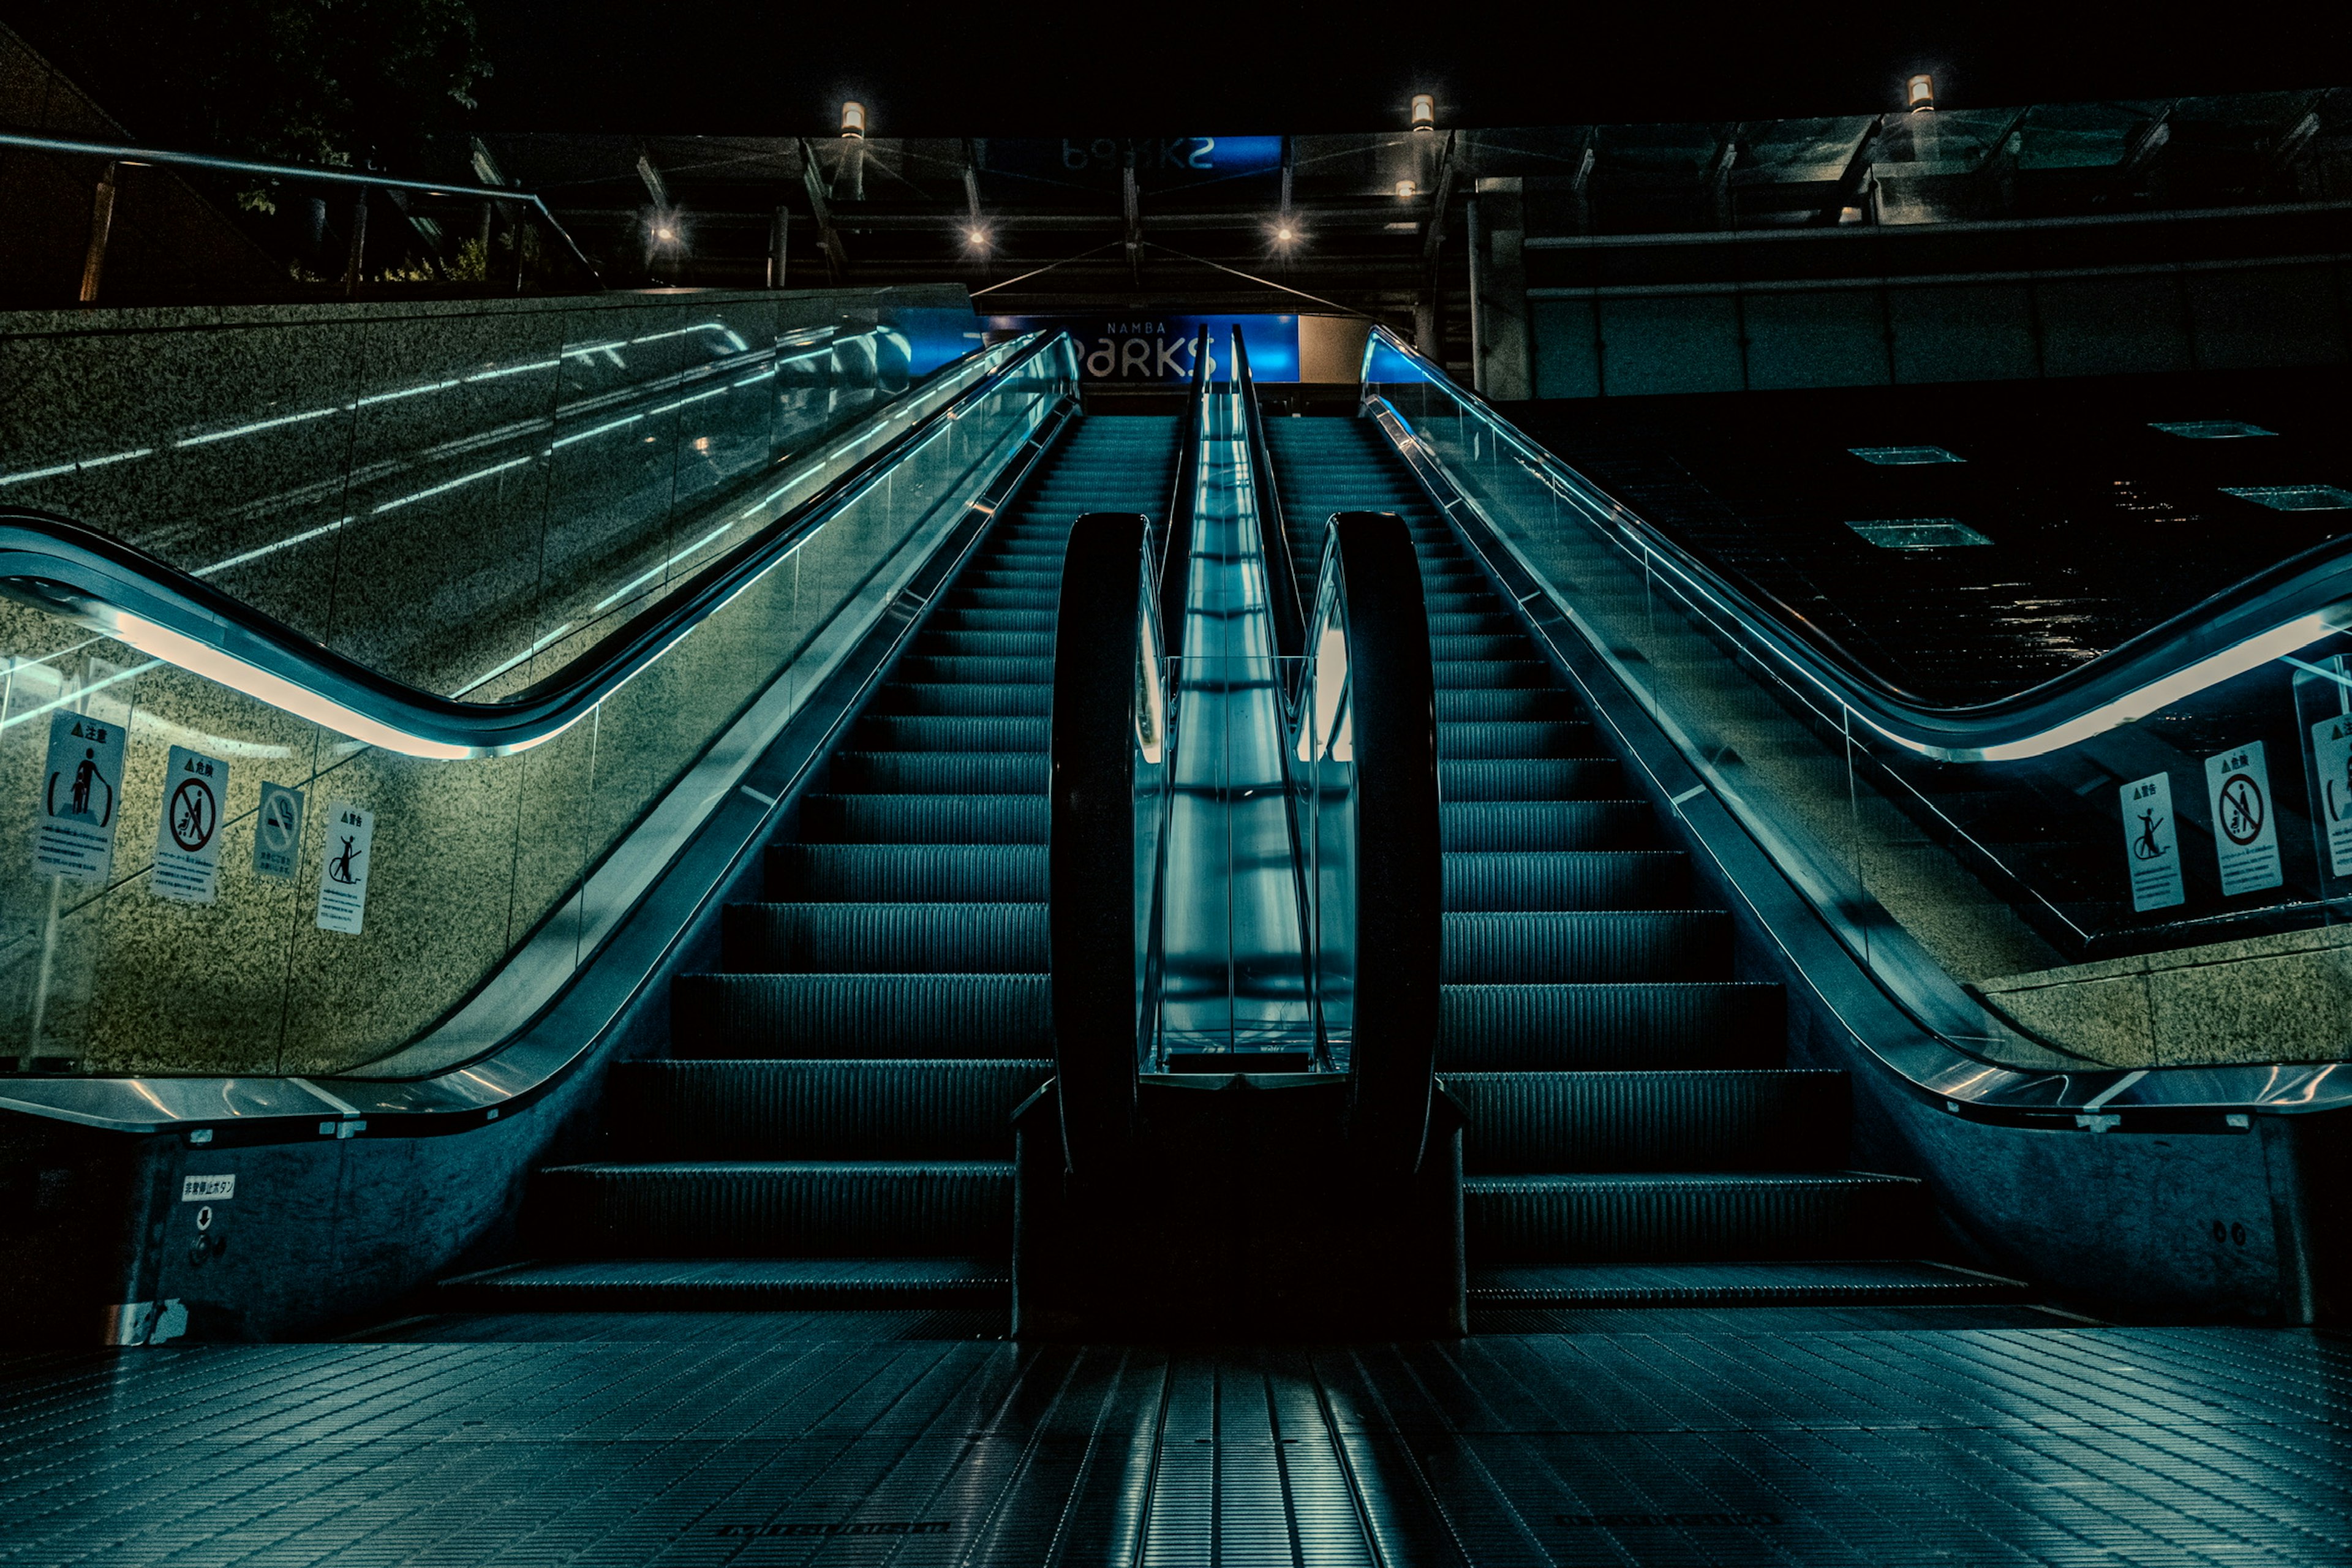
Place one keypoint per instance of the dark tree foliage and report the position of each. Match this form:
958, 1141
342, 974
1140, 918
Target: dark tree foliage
382, 84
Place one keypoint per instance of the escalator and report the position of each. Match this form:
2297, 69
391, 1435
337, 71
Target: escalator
832, 1122
1634, 1133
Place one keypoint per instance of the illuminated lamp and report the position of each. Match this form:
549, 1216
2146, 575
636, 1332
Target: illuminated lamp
852, 119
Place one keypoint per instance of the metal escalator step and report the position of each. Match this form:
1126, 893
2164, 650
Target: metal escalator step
813, 1016
1448, 645
1482, 881
1467, 779
875, 939
978, 618
953, 644
1505, 739
1874, 1282
979, 598
949, 733
939, 772
1712, 1023
901, 1109
1586, 947
785, 1208
733, 1284
1548, 825
949, 873
1489, 674
925, 818
1769, 1119
1692, 1216
1477, 625
930, 668
1492, 704
995, 701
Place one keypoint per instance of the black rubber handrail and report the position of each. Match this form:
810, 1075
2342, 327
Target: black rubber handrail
1272, 529
1369, 584
1175, 553
1105, 674
122, 592
296, 174
2273, 612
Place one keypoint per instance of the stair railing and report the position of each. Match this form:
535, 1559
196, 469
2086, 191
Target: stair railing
1274, 533
1110, 750
1363, 755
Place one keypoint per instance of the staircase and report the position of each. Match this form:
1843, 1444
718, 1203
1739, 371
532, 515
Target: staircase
832, 1126
1633, 1136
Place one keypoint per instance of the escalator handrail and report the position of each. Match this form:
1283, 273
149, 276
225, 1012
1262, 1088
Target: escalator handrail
298, 174
127, 594
1370, 574
1175, 551
1273, 533
2253, 621
1106, 669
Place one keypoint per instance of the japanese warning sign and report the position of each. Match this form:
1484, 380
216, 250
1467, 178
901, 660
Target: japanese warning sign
81, 796
188, 839
278, 833
2151, 843
343, 870
2245, 829
2331, 758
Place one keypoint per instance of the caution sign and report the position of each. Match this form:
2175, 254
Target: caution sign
2151, 843
343, 867
188, 839
2331, 761
277, 834
81, 796
2245, 829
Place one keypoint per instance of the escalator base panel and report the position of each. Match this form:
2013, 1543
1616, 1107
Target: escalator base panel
734, 1283
1831, 1283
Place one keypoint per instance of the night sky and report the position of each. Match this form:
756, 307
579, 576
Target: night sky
1168, 67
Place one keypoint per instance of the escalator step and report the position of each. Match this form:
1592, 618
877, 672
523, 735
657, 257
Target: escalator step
975, 618
985, 644
1514, 739
1512, 825
1568, 880
1872, 1282
930, 669
1477, 705
975, 701
1531, 778
1762, 1119
780, 1209
1490, 674
1563, 947
895, 938
1454, 646
812, 1016
924, 818
732, 1285
899, 873
939, 772
1558, 1028
920, 732
1691, 1216
900, 1109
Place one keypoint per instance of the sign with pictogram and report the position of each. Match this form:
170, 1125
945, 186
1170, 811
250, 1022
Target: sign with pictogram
81, 797
2151, 843
344, 864
278, 833
2245, 828
2331, 761
188, 839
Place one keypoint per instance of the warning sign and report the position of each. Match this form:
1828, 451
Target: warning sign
343, 867
2245, 829
2331, 761
188, 839
81, 796
277, 834
2151, 843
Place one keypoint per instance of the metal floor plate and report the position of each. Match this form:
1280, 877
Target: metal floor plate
814, 1438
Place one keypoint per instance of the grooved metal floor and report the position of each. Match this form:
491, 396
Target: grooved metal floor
1777, 1436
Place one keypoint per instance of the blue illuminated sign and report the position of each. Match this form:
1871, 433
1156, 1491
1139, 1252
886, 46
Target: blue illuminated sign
1136, 350
1159, 161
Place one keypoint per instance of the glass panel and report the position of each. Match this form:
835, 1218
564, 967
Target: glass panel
153, 920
